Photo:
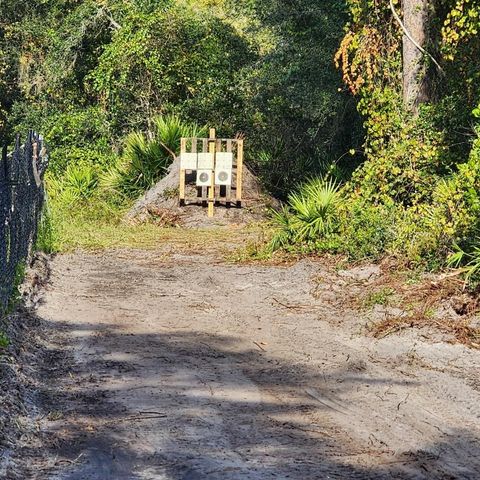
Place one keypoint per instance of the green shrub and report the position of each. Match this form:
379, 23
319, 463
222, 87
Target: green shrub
64, 156
458, 197
456, 208
366, 231
143, 162
78, 182
75, 126
169, 129
469, 261
312, 213
82, 179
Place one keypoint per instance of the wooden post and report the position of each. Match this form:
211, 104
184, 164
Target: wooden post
203, 191
228, 190
211, 191
239, 171
183, 149
36, 175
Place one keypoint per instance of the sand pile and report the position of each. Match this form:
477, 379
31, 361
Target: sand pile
160, 204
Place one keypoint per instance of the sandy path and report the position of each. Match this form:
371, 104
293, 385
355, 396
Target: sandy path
177, 367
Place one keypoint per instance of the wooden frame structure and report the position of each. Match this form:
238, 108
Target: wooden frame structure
214, 194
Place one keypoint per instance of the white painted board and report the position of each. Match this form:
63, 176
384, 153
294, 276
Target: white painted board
188, 161
224, 160
206, 161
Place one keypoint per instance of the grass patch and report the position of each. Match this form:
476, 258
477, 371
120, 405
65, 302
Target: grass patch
100, 225
384, 296
46, 231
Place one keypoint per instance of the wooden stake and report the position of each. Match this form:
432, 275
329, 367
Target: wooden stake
204, 190
211, 191
228, 189
239, 172
183, 149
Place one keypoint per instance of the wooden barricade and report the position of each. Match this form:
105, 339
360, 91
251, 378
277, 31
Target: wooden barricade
218, 150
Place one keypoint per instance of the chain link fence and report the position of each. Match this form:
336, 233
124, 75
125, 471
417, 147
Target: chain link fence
21, 199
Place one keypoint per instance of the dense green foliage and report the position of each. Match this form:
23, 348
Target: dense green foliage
299, 121
88, 73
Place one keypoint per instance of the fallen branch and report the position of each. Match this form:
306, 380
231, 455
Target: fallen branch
403, 401
293, 307
259, 346
138, 416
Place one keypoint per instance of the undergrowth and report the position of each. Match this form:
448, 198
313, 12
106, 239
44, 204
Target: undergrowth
383, 296
323, 217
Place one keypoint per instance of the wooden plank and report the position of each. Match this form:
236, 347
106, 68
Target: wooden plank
211, 192
202, 192
183, 145
182, 187
183, 149
239, 172
228, 190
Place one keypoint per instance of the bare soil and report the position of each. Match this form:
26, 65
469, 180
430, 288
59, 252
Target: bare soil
178, 365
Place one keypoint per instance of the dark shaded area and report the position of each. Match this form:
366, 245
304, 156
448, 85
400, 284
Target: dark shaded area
104, 436
304, 120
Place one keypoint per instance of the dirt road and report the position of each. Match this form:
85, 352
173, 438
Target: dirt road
179, 366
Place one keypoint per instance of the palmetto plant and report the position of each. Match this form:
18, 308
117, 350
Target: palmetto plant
142, 163
78, 182
146, 160
467, 261
312, 213
82, 179
169, 129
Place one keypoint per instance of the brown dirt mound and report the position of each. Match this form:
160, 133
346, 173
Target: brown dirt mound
160, 204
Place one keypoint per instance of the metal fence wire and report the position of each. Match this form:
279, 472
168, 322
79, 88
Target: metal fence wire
22, 195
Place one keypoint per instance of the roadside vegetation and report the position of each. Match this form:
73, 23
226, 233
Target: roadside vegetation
417, 193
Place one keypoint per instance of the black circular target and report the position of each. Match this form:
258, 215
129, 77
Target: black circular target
204, 177
223, 176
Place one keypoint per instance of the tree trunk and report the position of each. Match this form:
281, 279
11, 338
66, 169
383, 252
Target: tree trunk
415, 86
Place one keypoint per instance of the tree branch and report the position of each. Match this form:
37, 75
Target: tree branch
112, 21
